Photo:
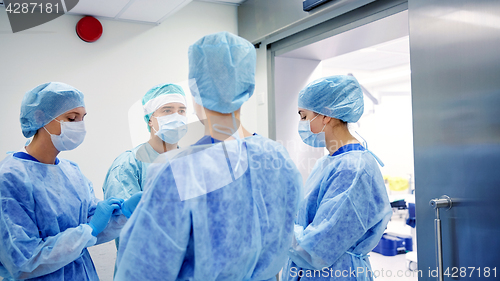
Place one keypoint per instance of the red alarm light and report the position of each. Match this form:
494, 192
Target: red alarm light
89, 29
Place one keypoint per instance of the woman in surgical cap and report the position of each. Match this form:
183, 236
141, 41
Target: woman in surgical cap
49, 215
346, 208
165, 115
222, 209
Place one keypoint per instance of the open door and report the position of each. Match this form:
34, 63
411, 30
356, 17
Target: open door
378, 55
455, 65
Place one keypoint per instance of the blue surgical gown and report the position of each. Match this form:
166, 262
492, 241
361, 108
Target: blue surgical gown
341, 219
221, 211
44, 213
127, 174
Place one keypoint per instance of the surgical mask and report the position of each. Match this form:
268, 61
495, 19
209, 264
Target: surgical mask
72, 135
365, 145
310, 138
233, 132
171, 128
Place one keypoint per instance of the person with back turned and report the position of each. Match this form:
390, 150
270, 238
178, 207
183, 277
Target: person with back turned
222, 209
164, 108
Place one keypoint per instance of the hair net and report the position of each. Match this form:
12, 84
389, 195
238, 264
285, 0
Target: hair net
45, 102
156, 97
338, 96
222, 71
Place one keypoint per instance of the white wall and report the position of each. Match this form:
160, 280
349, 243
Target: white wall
388, 131
291, 76
113, 73
261, 109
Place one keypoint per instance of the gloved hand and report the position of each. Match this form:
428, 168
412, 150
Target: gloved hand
128, 206
103, 213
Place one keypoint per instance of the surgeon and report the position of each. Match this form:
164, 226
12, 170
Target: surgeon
164, 108
165, 114
346, 208
49, 215
222, 209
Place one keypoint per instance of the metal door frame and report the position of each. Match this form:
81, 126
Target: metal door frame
366, 14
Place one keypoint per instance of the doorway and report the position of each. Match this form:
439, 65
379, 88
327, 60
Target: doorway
377, 54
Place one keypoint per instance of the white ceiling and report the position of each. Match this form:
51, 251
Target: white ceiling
382, 69
144, 11
377, 54
377, 32
389, 54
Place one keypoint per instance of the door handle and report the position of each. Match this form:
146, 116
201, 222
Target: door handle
443, 202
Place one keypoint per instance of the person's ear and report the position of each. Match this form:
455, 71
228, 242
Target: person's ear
326, 119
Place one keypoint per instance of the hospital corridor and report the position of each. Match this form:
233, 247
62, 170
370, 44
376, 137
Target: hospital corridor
249, 140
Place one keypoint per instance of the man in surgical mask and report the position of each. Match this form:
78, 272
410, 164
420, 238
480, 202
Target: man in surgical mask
165, 114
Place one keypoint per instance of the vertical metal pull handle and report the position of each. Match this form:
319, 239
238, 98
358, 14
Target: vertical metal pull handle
443, 202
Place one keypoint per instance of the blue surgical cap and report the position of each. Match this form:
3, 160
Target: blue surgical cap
222, 71
338, 96
45, 102
157, 96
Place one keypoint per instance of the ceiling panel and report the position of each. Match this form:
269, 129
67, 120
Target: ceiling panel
144, 11
389, 54
367, 61
401, 46
395, 26
232, 2
152, 10
99, 8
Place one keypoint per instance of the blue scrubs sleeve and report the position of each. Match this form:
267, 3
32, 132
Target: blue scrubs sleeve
115, 224
123, 179
335, 228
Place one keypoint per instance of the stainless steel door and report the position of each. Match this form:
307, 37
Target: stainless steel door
455, 64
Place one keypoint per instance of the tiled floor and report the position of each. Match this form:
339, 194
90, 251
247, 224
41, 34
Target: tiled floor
395, 267
391, 268
104, 260
104, 257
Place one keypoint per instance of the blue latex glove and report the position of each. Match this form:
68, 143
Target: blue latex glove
128, 206
103, 213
